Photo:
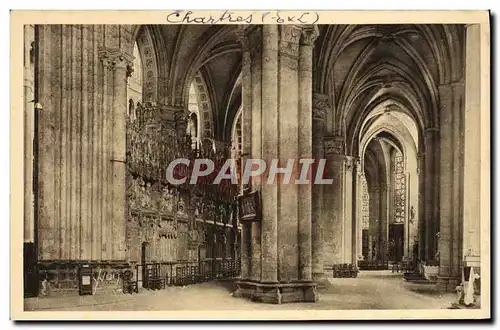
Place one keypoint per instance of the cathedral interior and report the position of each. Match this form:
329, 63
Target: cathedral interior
394, 110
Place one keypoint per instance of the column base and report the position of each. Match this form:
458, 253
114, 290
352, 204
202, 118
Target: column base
448, 284
321, 280
276, 293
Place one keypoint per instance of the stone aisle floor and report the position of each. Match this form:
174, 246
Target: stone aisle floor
370, 290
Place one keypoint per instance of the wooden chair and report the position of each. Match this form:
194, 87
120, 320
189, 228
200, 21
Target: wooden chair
129, 282
155, 281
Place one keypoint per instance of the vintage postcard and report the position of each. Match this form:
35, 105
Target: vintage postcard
294, 165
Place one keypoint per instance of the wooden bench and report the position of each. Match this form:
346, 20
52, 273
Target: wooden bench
344, 271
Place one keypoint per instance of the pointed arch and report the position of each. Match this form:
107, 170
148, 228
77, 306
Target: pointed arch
206, 120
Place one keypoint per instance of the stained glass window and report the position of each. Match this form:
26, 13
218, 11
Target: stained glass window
399, 188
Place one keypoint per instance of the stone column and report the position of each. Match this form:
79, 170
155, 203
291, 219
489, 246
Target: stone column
282, 114
320, 107
375, 219
305, 122
421, 206
339, 205
349, 202
451, 180
473, 147
270, 126
383, 231
333, 203
355, 212
29, 108
359, 211
386, 204
247, 137
431, 140
49, 194
82, 88
121, 70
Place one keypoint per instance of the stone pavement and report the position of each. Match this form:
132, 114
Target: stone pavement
370, 290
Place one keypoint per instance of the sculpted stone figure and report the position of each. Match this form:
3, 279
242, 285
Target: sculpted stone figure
181, 205
197, 209
133, 193
145, 195
166, 201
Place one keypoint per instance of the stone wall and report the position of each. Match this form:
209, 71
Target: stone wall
82, 71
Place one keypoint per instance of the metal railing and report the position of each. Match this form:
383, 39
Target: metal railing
157, 275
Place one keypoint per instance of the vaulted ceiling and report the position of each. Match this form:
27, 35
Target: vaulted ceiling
358, 66
182, 51
362, 66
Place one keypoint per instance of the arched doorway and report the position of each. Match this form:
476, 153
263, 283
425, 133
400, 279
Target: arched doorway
389, 186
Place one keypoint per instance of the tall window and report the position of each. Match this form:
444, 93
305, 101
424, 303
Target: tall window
237, 138
193, 126
399, 188
134, 83
365, 204
237, 145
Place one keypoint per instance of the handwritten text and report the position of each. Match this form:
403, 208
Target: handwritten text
227, 17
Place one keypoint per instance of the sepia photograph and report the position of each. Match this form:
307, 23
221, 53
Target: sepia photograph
250, 165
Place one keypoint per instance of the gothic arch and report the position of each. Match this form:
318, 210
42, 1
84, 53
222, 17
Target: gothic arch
209, 56
204, 106
237, 134
383, 104
149, 65
334, 39
233, 106
417, 59
153, 53
213, 46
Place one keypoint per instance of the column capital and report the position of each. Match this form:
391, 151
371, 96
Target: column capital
250, 37
115, 58
320, 106
309, 35
334, 145
290, 40
241, 34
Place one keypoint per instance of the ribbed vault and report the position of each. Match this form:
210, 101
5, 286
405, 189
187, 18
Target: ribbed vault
361, 67
209, 55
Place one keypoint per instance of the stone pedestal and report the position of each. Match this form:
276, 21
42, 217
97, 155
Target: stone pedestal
276, 293
278, 259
